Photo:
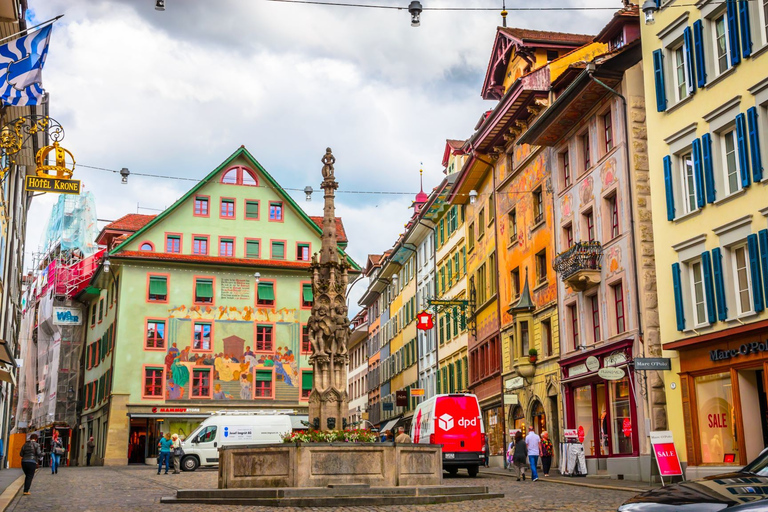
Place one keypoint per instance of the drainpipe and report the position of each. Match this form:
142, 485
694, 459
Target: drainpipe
590, 71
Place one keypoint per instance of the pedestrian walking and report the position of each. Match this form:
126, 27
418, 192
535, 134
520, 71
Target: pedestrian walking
164, 456
176, 453
532, 441
402, 437
89, 447
520, 455
510, 454
57, 450
30, 457
547, 450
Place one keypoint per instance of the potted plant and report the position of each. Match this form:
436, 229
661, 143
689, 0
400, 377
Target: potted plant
533, 355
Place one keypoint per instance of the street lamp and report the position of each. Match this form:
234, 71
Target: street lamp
308, 190
649, 7
124, 172
415, 9
257, 277
472, 196
107, 265
160, 5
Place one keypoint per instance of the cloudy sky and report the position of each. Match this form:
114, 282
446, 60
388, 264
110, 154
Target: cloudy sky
176, 92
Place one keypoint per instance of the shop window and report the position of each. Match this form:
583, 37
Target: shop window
173, 243
264, 337
201, 383
265, 294
582, 404
306, 384
275, 211
203, 291
252, 210
158, 289
252, 249
201, 206
153, 382
202, 336
621, 417
155, 338
263, 386
306, 296
200, 245
302, 252
716, 413
226, 247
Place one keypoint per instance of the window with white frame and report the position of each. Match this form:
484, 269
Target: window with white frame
681, 87
698, 298
720, 39
688, 179
741, 279
730, 161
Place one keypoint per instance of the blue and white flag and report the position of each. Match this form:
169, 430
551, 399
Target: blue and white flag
21, 68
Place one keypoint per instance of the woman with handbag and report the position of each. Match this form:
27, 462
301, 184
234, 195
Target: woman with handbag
176, 453
57, 450
30, 456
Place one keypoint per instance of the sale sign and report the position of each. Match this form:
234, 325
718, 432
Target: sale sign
666, 455
581, 434
627, 427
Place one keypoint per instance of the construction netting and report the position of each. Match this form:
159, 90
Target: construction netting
72, 226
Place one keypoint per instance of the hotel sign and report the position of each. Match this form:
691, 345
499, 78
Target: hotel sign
55, 185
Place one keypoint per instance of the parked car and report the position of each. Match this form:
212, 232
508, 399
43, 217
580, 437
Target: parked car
453, 421
201, 448
745, 490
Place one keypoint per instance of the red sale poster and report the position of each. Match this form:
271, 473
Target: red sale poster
666, 454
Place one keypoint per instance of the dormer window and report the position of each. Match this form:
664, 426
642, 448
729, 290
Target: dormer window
617, 42
240, 176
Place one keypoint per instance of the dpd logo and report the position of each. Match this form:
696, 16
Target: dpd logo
445, 421
464, 422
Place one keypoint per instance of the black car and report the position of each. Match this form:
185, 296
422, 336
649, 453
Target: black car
745, 490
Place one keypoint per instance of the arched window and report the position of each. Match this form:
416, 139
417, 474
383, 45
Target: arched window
146, 246
240, 176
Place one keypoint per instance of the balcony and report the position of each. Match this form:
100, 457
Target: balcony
579, 267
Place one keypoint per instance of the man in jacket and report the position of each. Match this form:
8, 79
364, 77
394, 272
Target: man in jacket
402, 437
89, 447
532, 441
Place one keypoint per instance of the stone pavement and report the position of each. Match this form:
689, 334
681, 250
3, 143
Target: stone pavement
139, 488
594, 482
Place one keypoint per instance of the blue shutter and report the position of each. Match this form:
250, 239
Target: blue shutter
679, 314
690, 66
754, 144
762, 236
658, 74
733, 32
741, 137
709, 175
754, 268
698, 174
717, 274
668, 187
709, 290
746, 36
698, 50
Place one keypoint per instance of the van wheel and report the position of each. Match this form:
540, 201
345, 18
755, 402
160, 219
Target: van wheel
189, 463
473, 470
453, 471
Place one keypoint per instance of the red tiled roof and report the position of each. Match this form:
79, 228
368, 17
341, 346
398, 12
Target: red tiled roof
341, 235
131, 222
375, 258
455, 144
525, 34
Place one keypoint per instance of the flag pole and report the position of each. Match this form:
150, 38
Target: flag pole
52, 20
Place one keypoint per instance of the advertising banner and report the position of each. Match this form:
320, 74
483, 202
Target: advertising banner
666, 455
67, 316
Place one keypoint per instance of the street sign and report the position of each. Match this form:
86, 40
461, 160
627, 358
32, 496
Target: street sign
593, 363
611, 373
55, 185
666, 455
653, 363
388, 406
401, 398
417, 391
447, 302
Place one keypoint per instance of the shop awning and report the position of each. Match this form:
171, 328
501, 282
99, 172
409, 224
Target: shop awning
389, 425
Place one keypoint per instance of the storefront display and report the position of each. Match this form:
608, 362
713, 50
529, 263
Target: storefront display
493, 430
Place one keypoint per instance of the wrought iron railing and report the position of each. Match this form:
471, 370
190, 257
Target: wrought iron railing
581, 256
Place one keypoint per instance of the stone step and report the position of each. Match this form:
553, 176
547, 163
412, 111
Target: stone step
322, 492
335, 501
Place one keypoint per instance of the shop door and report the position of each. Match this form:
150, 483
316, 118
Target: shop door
137, 442
539, 418
753, 412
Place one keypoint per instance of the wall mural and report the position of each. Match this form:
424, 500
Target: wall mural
233, 360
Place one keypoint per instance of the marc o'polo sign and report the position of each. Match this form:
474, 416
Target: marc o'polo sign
57, 186
653, 363
744, 349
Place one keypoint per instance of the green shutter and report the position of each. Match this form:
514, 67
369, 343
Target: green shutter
306, 380
252, 249
266, 291
466, 374
451, 381
251, 210
204, 288
459, 379
439, 390
278, 250
157, 286
306, 293
263, 376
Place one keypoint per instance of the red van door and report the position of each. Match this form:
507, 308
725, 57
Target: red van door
458, 425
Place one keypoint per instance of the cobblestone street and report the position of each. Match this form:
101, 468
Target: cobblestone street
140, 489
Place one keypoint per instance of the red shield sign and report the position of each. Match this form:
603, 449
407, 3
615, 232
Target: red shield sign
424, 321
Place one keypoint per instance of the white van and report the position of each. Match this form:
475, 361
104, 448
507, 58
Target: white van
201, 448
